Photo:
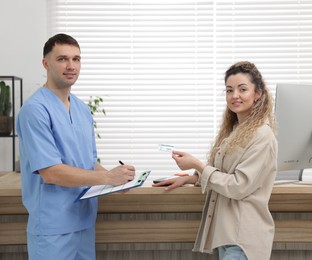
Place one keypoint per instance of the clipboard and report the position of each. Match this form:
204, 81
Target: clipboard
99, 190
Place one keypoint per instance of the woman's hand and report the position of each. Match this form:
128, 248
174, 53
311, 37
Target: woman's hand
186, 161
177, 182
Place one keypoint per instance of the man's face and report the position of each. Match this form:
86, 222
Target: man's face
62, 65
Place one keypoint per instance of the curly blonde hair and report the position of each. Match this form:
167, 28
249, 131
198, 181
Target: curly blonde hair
239, 135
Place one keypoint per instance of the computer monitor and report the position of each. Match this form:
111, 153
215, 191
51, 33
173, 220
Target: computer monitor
293, 112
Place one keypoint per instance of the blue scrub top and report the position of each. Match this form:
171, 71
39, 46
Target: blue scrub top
49, 135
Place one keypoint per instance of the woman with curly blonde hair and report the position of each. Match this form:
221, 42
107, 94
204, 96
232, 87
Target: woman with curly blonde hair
240, 172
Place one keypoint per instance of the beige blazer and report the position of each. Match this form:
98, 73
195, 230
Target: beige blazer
238, 191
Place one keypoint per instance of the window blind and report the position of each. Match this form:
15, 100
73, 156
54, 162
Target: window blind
159, 66
276, 35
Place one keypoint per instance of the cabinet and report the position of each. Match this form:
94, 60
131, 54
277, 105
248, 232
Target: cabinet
16, 87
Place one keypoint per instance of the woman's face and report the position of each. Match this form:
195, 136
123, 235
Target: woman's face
240, 95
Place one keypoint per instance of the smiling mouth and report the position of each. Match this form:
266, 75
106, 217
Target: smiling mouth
69, 75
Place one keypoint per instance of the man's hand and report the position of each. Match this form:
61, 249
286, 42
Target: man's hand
120, 175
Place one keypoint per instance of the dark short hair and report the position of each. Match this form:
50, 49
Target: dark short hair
60, 38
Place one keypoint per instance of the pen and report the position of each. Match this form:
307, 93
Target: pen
121, 162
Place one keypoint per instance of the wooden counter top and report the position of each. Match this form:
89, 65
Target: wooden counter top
169, 217
284, 198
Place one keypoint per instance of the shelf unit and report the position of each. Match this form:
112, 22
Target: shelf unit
16, 84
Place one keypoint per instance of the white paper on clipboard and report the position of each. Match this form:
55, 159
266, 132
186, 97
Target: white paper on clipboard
99, 190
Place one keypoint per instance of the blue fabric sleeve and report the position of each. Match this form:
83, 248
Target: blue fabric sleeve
37, 136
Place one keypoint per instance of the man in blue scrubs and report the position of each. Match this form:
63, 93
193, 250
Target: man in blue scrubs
58, 161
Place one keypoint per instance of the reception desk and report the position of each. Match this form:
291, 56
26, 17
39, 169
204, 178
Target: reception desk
151, 223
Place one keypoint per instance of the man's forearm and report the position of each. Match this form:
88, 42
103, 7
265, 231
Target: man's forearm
69, 176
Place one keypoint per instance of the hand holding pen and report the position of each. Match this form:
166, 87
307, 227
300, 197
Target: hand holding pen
121, 174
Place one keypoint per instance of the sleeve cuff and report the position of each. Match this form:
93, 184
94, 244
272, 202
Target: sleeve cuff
204, 177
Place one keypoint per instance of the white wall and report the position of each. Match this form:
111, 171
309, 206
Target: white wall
23, 30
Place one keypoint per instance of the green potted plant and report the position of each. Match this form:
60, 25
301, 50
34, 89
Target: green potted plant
94, 104
6, 120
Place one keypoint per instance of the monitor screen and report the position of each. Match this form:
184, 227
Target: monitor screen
293, 111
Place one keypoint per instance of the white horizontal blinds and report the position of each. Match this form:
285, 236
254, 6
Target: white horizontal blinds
152, 63
275, 35
159, 65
